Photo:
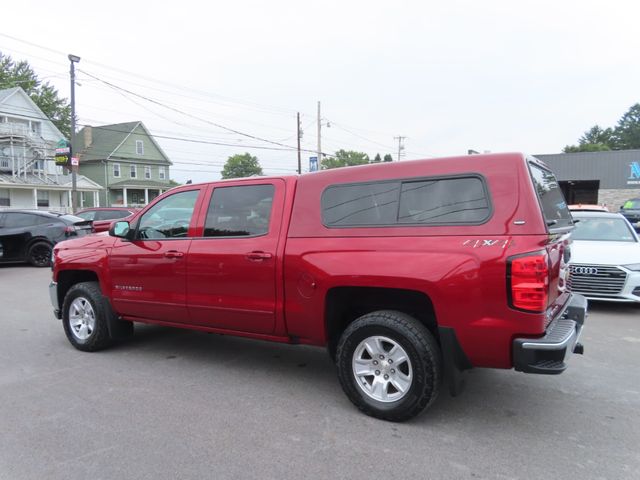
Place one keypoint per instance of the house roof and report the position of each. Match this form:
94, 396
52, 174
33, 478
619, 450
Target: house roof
10, 92
7, 92
52, 182
107, 139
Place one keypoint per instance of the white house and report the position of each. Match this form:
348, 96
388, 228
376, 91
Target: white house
29, 177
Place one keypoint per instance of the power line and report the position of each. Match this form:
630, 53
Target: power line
168, 137
181, 88
155, 102
201, 110
114, 128
334, 124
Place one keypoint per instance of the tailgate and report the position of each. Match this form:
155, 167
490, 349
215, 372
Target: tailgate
559, 225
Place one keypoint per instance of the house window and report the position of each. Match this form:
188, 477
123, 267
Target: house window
134, 171
5, 199
162, 173
147, 172
43, 198
139, 147
116, 170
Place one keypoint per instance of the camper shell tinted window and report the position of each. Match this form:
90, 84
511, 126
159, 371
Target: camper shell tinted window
460, 200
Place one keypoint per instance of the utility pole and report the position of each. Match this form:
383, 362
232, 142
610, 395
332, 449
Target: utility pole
74, 168
299, 136
319, 144
400, 145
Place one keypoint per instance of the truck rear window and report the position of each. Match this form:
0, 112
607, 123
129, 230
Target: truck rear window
554, 207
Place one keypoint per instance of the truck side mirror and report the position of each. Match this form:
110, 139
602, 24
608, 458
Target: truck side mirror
119, 229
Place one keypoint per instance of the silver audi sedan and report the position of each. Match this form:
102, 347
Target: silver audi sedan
605, 258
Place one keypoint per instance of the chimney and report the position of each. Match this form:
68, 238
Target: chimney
88, 136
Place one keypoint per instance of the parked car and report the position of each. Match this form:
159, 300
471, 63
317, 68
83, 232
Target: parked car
29, 235
407, 272
587, 207
605, 258
103, 217
631, 211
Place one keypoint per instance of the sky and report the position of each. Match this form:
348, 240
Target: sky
214, 79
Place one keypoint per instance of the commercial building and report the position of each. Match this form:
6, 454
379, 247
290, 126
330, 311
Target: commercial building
606, 178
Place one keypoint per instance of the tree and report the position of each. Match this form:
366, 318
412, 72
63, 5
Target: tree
588, 147
20, 74
593, 140
626, 135
345, 158
244, 165
596, 135
377, 158
388, 158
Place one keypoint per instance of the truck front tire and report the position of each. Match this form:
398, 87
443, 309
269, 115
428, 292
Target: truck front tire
389, 365
85, 315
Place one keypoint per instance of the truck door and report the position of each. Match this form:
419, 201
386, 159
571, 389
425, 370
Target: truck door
148, 273
231, 282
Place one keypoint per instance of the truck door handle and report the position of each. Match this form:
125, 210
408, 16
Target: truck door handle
173, 254
258, 256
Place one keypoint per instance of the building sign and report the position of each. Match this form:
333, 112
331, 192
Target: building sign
63, 153
634, 175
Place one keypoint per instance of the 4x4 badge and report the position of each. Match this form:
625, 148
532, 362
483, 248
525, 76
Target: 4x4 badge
487, 243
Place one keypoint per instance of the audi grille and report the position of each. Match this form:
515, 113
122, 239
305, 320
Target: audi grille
596, 280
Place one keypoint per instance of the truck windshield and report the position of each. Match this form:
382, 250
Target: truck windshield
554, 207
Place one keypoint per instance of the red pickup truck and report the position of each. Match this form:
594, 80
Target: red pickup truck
408, 272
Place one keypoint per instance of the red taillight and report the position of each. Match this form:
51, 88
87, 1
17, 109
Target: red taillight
69, 230
529, 282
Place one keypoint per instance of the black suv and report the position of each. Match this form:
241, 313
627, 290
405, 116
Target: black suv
631, 211
29, 235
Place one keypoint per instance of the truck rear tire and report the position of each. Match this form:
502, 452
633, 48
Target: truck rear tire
389, 365
84, 317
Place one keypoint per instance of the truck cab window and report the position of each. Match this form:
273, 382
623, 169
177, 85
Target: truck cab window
239, 211
169, 218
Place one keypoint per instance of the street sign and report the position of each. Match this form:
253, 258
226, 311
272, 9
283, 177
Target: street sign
313, 164
63, 153
74, 161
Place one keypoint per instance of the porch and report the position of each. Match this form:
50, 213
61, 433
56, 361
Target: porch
32, 192
132, 195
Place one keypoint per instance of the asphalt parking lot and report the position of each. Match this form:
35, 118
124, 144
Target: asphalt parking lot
173, 404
